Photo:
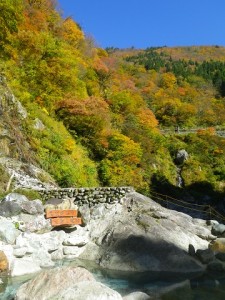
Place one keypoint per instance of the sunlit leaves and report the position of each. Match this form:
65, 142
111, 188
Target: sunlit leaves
10, 16
120, 165
71, 33
87, 118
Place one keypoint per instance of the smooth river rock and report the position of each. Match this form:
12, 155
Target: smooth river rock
56, 283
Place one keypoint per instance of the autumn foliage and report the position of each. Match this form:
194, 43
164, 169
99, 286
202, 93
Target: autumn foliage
104, 109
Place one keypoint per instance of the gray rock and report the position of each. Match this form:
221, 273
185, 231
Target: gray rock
13, 204
181, 156
26, 175
66, 203
20, 108
53, 201
218, 229
15, 197
32, 223
8, 209
216, 265
72, 250
38, 124
211, 222
191, 250
84, 211
33, 207
91, 252
205, 256
8, 232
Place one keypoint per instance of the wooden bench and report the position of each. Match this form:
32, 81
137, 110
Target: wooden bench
60, 217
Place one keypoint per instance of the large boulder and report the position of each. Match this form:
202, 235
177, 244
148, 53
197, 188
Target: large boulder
63, 283
181, 156
32, 223
8, 232
14, 203
78, 237
218, 229
205, 256
141, 236
55, 203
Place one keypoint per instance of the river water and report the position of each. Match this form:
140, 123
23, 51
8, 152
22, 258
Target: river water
161, 286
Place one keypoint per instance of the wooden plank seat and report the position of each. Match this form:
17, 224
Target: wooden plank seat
56, 213
66, 221
63, 217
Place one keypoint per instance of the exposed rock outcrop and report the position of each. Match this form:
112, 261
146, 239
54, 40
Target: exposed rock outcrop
16, 157
140, 235
134, 234
181, 156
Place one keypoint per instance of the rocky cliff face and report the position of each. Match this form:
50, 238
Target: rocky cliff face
17, 162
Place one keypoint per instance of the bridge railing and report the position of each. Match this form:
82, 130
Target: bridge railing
211, 130
203, 211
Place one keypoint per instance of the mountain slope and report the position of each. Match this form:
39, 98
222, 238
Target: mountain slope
94, 116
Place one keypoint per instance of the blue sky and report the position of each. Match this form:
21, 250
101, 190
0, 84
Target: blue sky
148, 23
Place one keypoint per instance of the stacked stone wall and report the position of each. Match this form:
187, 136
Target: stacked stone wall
91, 196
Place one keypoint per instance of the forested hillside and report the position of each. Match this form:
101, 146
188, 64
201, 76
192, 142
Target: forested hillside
103, 110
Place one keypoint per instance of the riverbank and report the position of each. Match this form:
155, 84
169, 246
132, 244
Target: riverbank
133, 234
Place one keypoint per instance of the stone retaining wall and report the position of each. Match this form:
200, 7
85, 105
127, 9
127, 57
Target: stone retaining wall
89, 196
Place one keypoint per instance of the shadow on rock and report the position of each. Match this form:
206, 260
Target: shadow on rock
140, 253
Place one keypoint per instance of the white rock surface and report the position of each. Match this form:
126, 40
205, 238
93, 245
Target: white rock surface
19, 252
57, 254
76, 240
49, 241
88, 291
22, 266
72, 250
42, 258
8, 232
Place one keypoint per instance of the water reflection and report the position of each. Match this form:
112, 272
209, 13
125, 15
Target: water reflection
164, 286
